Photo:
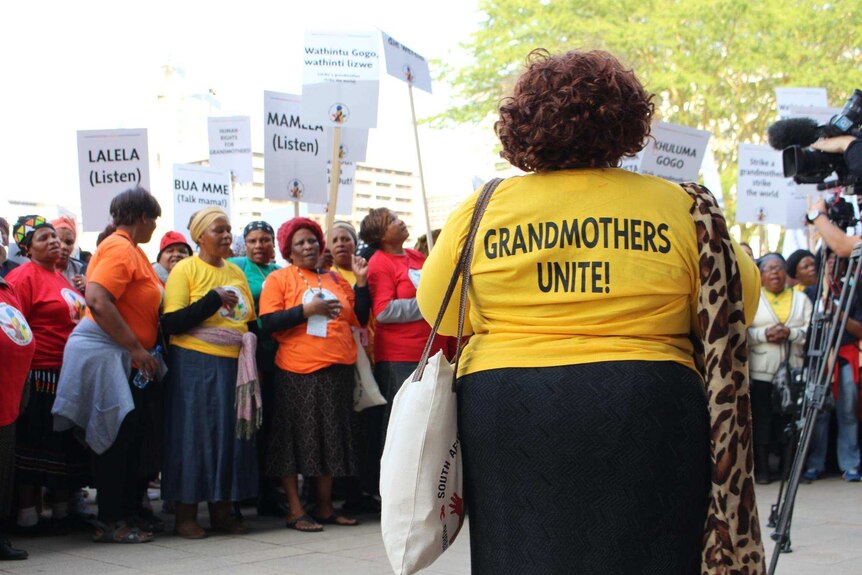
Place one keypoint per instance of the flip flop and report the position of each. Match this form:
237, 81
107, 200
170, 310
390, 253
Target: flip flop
335, 519
304, 523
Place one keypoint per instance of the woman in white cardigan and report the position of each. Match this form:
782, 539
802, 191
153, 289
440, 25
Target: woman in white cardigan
782, 319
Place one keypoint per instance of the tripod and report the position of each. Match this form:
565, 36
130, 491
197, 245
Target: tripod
827, 327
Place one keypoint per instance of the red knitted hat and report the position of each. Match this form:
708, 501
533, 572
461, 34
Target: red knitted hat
290, 227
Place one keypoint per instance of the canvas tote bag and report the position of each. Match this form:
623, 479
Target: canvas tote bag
421, 481
366, 392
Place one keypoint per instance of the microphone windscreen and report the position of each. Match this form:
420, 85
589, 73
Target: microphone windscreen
792, 132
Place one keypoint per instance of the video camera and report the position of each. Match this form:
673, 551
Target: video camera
807, 165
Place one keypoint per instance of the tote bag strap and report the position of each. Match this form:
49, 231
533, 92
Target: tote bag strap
462, 269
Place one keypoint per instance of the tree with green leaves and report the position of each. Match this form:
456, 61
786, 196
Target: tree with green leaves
714, 64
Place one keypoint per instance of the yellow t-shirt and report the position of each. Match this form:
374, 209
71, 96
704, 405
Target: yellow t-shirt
190, 280
780, 303
575, 266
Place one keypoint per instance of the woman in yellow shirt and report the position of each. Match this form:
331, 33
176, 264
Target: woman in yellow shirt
584, 424
210, 452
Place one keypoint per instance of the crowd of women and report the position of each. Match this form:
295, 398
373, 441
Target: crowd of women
777, 344
225, 378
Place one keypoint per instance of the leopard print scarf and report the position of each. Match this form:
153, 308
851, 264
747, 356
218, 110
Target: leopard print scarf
731, 542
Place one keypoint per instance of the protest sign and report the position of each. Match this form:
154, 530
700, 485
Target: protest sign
346, 187
352, 146
799, 98
675, 153
633, 163
198, 187
405, 64
230, 146
762, 190
295, 152
341, 79
109, 162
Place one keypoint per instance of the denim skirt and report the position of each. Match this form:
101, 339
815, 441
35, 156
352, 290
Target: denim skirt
203, 459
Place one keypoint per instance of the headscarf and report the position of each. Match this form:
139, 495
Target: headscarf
25, 227
764, 259
202, 219
257, 225
350, 230
67, 223
290, 227
794, 259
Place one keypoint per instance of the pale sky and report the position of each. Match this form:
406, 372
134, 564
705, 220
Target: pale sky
91, 64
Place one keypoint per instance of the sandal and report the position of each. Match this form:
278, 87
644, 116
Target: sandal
120, 533
304, 523
336, 519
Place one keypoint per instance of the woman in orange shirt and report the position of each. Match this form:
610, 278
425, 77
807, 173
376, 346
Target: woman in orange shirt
310, 313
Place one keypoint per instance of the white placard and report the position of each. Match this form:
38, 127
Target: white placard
353, 144
820, 114
346, 187
787, 98
198, 187
295, 152
405, 64
109, 162
230, 146
762, 191
675, 154
632, 164
341, 78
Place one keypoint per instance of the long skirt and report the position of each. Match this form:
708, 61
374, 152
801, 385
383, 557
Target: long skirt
591, 469
44, 457
313, 430
203, 459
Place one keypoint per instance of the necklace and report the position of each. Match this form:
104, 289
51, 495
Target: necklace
319, 284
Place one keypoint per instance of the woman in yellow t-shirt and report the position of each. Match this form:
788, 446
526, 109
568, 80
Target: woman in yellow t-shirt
210, 453
579, 402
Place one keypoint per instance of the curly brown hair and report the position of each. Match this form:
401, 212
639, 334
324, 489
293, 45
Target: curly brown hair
574, 110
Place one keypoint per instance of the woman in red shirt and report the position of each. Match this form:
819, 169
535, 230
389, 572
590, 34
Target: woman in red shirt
400, 332
16, 349
52, 307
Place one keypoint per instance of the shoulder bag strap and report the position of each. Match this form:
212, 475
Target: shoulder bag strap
462, 270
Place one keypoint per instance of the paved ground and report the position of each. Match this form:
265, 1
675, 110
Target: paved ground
826, 537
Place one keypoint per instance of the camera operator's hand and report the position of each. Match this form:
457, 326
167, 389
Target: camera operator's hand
819, 205
835, 145
836, 238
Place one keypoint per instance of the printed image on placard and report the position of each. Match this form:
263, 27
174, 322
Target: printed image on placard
77, 304
239, 311
342, 151
760, 214
408, 72
295, 189
14, 325
339, 113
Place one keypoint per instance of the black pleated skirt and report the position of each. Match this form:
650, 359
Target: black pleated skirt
587, 469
